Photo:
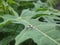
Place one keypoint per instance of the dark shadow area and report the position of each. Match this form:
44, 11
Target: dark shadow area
28, 42
10, 29
43, 0
41, 19
3, 35
1, 19
25, 5
12, 42
57, 21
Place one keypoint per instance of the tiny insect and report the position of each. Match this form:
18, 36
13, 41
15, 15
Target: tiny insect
30, 26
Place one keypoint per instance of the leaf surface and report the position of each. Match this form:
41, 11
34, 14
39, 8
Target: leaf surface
41, 32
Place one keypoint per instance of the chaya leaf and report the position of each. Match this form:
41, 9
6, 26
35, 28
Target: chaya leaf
41, 32
9, 29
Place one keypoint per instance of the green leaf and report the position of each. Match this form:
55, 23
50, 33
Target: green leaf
40, 32
39, 23
9, 28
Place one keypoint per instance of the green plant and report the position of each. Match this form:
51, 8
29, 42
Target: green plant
36, 25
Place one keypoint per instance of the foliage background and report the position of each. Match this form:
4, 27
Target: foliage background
11, 9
